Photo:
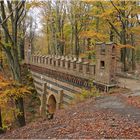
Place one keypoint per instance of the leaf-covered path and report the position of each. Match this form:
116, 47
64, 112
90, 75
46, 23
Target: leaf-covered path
103, 117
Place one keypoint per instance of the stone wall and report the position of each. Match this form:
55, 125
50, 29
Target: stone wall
106, 64
62, 78
67, 65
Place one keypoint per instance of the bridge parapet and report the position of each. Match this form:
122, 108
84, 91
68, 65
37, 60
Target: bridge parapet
64, 62
103, 72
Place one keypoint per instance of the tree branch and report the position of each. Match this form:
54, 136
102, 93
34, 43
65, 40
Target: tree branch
111, 24
137, 19
10, 10
6, 18
22, 8
21, 19
5, 26
119, 11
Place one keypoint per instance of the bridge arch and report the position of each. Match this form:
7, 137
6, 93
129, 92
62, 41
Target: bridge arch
52, 103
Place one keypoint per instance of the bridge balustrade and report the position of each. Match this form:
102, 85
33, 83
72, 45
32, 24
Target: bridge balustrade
73, 65
62, 63
85, 65
43, 59
68, 63
37, 58
49, 60
79, 66
46, 60
58, 62
40, 57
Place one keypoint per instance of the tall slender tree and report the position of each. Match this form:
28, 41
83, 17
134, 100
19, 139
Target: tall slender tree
10, 16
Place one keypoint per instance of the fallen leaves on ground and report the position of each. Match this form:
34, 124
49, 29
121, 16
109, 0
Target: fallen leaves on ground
134, 100
82, 121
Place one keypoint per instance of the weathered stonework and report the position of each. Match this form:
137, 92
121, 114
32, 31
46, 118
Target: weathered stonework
58, 79
106, 73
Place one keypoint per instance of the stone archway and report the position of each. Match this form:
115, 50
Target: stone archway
52, 104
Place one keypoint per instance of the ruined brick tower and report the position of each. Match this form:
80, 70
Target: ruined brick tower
106, 63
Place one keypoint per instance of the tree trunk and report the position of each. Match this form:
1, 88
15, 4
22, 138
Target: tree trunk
20, 105
133, 53
15, 69
133, 60
1, 128
76, 41
19, 102
123, 39
111, 35
21, 49
71, 41
48, 39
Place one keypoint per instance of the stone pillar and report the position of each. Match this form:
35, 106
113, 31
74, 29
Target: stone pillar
46, 60
58, 62
36, 58
62, 63
43, 59
60, 99
49, 60
79, 65
39, 59
54, 62
67, 64
85, 64
43, 101
73, 65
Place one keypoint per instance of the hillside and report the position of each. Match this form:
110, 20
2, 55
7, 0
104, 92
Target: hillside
101, 117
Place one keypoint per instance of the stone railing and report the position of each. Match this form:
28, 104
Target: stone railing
65, 63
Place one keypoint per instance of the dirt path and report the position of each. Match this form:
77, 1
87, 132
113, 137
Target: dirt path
116, 104
133, 85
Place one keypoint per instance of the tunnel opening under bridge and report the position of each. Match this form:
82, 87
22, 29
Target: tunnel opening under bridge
51, 106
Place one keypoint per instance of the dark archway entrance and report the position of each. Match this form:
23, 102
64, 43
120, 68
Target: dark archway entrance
51, 104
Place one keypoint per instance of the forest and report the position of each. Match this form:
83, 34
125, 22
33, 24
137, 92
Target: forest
61, 28
73, 27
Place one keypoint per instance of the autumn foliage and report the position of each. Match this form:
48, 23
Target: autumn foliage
10, 91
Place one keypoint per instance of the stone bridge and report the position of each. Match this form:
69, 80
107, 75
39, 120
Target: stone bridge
59, 79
